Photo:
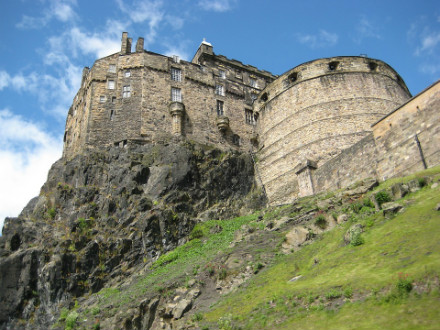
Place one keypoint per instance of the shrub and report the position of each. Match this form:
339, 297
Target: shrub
356, 207
422, 182
333, 294
367, 202
222, 274
320, 221
71, 320
197, 232
348, 292
51, 213
356, 239
382, 197
404, 284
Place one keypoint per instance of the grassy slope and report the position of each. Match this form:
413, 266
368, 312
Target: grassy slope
342, 286
350, 287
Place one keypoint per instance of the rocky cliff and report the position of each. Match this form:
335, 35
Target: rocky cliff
104, 214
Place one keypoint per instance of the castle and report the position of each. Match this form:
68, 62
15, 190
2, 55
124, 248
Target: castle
321, 125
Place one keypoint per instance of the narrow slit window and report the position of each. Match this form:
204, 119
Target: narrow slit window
220, 108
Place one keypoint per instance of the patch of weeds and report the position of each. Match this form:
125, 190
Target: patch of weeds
71, 320
222, 273
404, 284
333, 294
382, 197
95, 310
320, 221
367, 202
63, 314
257, 267
96, 326
348, 292
226, 323
50, 214
356, 239
197, 317
356, 207
197, 232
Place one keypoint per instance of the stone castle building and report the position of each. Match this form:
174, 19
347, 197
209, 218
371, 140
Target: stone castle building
321, 125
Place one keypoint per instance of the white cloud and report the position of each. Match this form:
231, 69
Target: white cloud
55, 94
140, 11
216, 5
366, 29
179, 49
61, 10
429, 42
320, 40
27, 152
424, 36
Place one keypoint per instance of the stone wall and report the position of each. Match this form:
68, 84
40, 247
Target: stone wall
353, 164
318, 109
408, 132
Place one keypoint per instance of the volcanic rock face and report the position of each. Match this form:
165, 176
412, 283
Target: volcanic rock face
105, 211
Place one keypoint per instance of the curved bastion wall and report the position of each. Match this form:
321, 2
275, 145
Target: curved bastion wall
312, 112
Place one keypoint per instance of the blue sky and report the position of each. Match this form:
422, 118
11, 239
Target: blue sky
44, 44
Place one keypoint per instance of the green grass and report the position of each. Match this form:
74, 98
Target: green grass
408, 243
174, 265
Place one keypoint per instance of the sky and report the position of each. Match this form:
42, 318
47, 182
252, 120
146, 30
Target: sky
44, 45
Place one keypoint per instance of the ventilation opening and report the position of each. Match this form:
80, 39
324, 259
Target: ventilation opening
372, 66
264, 97
293, 77
333, 66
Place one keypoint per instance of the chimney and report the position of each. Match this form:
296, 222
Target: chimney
124, 43
129, 42
140, 45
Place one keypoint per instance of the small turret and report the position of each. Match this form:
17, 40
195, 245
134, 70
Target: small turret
204, 48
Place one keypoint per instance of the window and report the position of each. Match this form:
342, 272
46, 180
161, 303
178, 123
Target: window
176, 95
111, 84
249, 115
112, 114
176, 59
220, 111
127, 74
253, 82
222, 74
102, 99
219, 90
253, 97
126, 91
176, 74
112, 68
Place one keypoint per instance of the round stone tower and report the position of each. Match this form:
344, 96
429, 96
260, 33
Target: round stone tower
311, 113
